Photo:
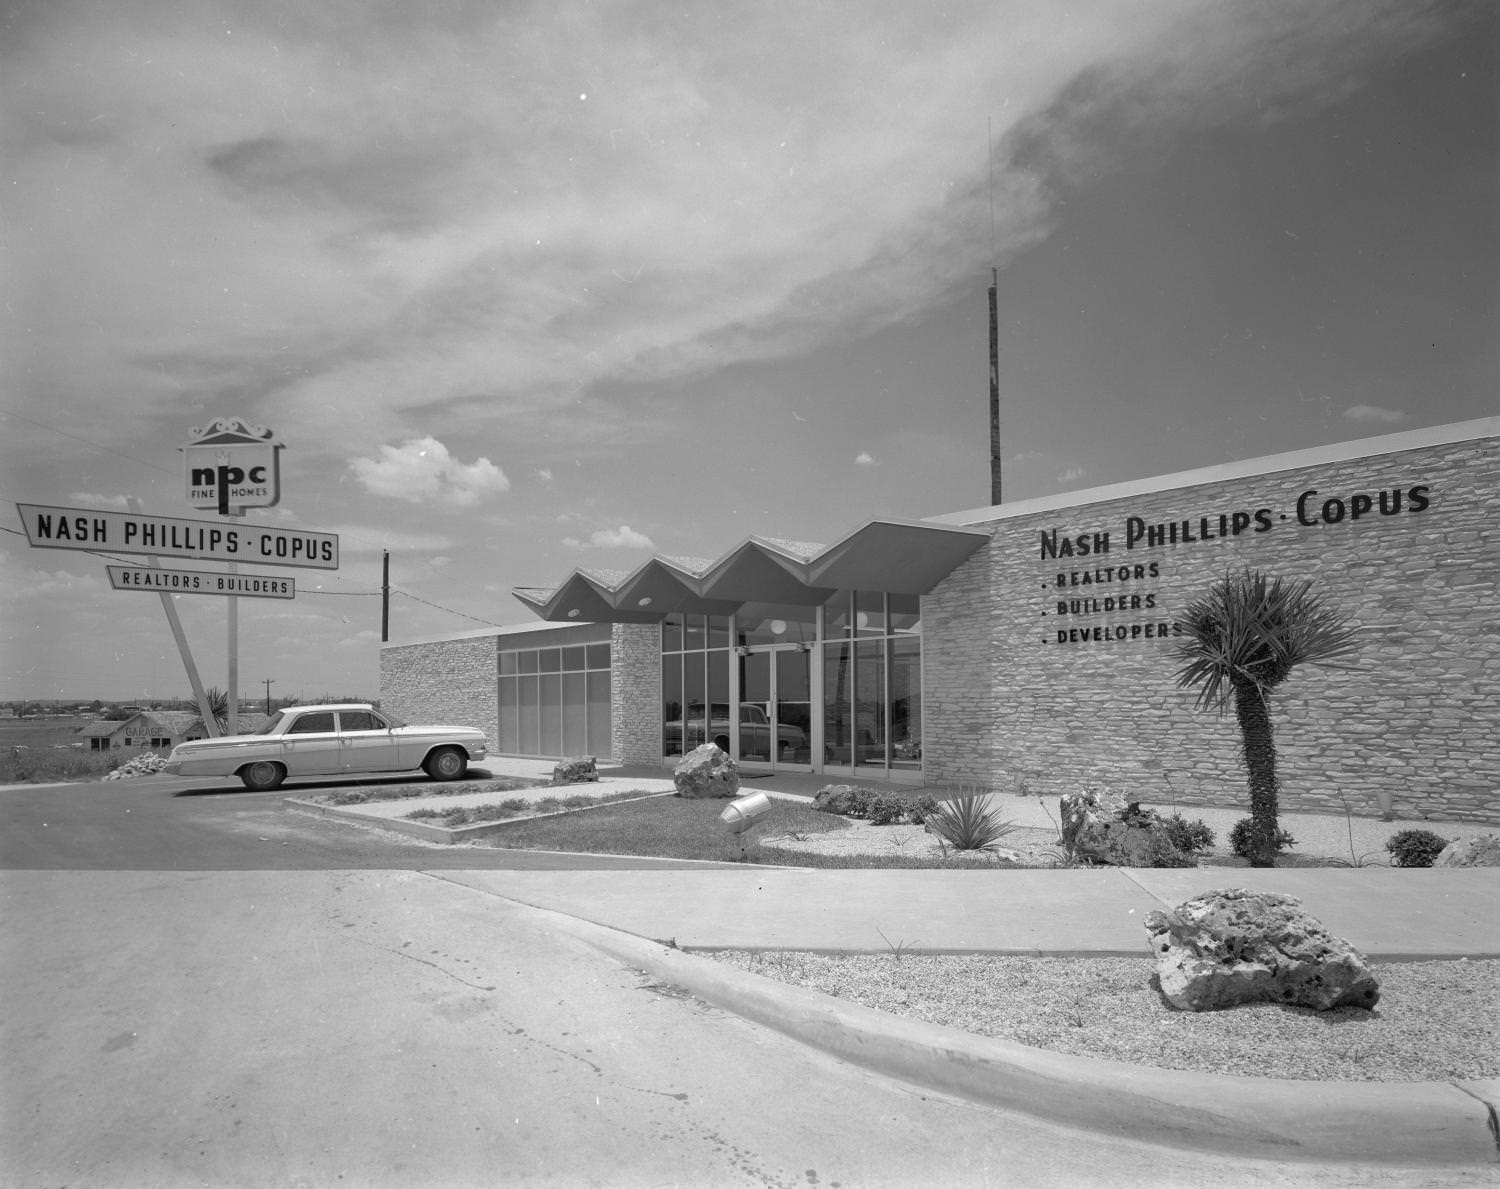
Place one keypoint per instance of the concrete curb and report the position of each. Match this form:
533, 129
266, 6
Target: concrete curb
1400, 1123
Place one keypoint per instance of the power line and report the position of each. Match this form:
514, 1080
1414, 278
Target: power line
87, 442
449, 610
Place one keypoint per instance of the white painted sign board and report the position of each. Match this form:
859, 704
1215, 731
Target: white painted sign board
209, 582
93, 529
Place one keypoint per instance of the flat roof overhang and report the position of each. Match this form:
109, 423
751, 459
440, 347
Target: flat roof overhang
901, 557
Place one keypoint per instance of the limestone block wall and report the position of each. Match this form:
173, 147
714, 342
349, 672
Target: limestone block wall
444, 682
635, 693
1048, 657
961, 678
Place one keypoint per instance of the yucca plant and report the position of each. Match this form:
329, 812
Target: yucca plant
1241, 641
968, 823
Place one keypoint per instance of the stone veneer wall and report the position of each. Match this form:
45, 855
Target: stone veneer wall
1419, 719
635, 693
451, 682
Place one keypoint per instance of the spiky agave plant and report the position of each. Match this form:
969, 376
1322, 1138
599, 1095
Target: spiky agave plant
968, 823
1239, 642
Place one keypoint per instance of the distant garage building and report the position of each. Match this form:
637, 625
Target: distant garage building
1029, 645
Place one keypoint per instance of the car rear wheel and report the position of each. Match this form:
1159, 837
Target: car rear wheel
262, 776
446, 763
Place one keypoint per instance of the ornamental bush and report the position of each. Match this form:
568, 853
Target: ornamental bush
921, 809
1190, 837
883, 810
1240, 838
1415, 848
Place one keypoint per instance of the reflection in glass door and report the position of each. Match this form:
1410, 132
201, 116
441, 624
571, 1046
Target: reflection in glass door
775, 708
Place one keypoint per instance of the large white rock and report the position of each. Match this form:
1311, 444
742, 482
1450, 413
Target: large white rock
706, 771
1085, 816
1480, 851
1234, 946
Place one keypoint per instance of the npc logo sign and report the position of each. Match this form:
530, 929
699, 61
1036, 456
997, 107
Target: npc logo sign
232, 465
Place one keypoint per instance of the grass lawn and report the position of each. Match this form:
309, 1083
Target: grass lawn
674, 828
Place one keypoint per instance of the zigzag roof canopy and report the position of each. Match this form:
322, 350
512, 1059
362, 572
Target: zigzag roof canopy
902, 557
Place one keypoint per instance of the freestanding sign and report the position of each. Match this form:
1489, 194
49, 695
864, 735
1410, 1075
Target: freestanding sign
231, 465
166, 536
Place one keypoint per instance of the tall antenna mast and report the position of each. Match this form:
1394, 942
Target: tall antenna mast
995, 494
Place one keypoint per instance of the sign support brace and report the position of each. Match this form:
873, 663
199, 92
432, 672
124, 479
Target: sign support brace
210, 724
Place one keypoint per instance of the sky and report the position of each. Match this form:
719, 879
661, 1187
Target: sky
530, 287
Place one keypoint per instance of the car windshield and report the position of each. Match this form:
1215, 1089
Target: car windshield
269, 726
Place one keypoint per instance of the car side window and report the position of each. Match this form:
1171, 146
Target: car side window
312, 724
359, 720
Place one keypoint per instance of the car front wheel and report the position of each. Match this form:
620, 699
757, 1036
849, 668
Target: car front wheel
447, 763
263, 776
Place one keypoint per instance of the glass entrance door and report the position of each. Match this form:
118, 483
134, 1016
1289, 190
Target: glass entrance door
775, 708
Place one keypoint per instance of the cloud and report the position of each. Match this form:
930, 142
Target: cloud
119, 502
1373, 415
623, 537
865, 459
1072, 475
544, 474
422, 469
353, 216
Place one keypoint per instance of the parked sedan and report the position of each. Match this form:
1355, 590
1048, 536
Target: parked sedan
340, 740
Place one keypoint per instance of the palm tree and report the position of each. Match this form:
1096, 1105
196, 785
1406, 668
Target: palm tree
218, 706
1242, 640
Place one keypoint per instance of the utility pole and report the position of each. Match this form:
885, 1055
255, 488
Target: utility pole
385, 596
995, 496
268, 682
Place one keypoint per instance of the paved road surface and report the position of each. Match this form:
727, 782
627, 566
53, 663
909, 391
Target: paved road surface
167, 823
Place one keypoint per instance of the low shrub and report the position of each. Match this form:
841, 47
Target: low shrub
1164, 853
1189, 837
918, 811
882, 810
1242, 833
878, 808
1415, 848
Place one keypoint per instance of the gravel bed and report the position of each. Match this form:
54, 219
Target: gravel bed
1435, 1020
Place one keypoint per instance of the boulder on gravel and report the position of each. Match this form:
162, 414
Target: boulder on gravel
575, 770
1102, 827
1235, 946
706, 771
1085, 816
1483, 850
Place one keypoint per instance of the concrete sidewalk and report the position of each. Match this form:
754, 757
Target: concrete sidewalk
1387, 913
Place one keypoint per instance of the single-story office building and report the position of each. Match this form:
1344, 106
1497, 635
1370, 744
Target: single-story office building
1031, 644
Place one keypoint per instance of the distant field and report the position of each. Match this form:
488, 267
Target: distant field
46, 752
40, 732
